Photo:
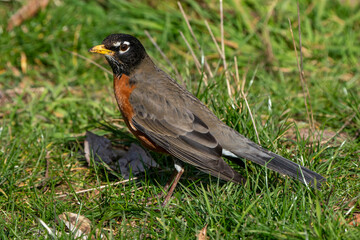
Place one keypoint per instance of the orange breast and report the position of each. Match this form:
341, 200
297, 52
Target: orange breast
123, 89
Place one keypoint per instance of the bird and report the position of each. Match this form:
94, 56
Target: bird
165, 117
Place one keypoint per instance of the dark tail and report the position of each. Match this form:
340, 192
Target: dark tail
259, 155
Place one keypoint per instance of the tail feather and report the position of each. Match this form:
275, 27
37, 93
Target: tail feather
261, 156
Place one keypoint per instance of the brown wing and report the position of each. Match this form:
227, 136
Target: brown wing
179, 131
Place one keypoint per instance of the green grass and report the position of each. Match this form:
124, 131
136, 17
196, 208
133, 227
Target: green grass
46, 110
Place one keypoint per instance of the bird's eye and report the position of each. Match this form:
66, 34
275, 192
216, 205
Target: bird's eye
124, 47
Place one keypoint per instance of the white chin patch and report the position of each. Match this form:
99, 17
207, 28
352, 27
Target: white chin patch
228, 154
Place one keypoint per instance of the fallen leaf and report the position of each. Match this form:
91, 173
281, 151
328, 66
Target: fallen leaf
135, 160
27, 11
23, 62
355, 221
346, 77
79, 225
2, 191
229, 43
14, 70
202, 234
101, 149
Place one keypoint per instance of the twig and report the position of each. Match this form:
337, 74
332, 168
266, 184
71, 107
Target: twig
89, 60
303, 84
244, 96
98, 188
223, 49
165, 57
195, 39
197, 63
27, 11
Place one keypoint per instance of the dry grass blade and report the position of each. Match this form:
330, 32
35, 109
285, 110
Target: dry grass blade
207, 67
97, 188
300, 45
302, 81
197, 63
165, 57
302, 72
47, 228
89, 60
244, 96
214, 39
305, 89
223, 50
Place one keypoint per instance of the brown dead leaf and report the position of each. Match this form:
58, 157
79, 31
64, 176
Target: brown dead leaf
27, 11
202, 234
346, 77
3, 192
350, 214
355, 221
282, 69
23, 62
354, 217
15, 71
76, 222
79, 225
229, 43
134, 160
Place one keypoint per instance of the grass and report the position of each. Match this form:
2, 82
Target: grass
50, 98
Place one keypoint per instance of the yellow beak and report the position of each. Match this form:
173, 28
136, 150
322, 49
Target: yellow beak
102, 50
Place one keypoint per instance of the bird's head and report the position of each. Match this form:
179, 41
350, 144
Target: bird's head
123, 52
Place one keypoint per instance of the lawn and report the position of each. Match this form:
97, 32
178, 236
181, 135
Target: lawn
51, 93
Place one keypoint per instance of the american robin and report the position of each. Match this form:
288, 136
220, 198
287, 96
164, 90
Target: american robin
167, 118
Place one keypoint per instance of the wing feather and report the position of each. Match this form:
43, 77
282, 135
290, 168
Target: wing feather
180, 132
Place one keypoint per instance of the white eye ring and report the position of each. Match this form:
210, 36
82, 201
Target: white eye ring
124, 47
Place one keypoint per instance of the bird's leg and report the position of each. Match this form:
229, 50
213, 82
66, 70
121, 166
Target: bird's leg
176, 177
173, 176
171, 179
